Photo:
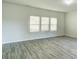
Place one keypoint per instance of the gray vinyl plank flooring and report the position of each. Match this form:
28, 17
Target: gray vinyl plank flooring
48, 48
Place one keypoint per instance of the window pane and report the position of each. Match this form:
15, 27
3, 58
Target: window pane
34, 20
53, 21
53, 27
44, 20
44, 27
34, 28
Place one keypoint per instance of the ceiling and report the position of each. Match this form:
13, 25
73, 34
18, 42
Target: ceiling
57, 5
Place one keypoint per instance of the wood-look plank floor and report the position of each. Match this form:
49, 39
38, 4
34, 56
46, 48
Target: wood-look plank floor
50, 48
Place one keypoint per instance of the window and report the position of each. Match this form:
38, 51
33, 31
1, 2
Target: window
42, 24
53, 24
34, 23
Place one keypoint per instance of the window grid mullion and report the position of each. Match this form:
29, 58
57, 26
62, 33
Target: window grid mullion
49, 23
40, 24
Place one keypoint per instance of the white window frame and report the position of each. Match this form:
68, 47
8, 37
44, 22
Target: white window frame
40, 25
53, 24
44, 24
34, 24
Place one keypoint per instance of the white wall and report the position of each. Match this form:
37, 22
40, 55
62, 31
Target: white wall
16, 25
71, 24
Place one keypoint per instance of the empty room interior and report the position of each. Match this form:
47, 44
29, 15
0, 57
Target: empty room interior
39, 29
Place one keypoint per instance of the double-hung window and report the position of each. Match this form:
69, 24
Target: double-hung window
34, 23
42, 24
53, 24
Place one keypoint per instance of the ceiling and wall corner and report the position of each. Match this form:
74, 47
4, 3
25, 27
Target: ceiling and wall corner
55, 5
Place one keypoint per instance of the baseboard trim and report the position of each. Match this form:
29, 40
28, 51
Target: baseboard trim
70, 36
33, 39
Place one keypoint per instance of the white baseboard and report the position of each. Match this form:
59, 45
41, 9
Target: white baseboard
31, 39
72, 36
